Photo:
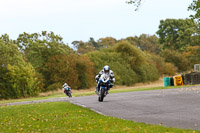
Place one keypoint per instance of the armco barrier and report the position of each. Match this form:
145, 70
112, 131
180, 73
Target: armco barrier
191, 78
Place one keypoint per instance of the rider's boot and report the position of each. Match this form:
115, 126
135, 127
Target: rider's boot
97, 90
107, 91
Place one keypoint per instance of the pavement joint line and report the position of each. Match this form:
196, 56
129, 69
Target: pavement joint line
88, 107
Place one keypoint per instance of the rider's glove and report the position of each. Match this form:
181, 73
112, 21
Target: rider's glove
97, 79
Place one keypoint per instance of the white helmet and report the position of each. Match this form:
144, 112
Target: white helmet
106, 68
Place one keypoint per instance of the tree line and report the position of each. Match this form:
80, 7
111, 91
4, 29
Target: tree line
41, 62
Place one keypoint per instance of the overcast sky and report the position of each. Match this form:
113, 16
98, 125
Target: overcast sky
82, 19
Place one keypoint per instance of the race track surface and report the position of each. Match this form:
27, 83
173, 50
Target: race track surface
170, 107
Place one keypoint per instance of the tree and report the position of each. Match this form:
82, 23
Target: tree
128, 63
107, 42
76, 70
135, 2
85, 47
82, 47
38, 48
95, 44
5, 38
195, 6
193, 54
176, 58
145, 42
138, 62
164, 68
196, 56
149, 43
124, 75
60, 69
177, 34
18, 77
132, 54
133, 40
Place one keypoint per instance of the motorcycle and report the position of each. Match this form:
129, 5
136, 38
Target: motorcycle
67, 91
104, 82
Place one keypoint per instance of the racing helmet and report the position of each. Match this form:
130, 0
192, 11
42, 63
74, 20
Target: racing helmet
106, 69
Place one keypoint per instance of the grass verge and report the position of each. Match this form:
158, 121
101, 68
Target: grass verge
59, 117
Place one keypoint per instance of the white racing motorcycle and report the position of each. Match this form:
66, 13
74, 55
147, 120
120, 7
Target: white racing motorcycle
104, 82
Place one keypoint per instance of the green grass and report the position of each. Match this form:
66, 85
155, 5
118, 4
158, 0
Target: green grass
31, 98
60, 94
58, 117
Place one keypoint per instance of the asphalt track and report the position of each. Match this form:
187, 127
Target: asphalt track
170, 107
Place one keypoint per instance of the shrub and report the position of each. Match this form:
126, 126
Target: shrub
54, 86
170, 69
162, 66
127, 62
178, 59
193, 54
18, 78
146, 72
132, 54
75, 70
124, 75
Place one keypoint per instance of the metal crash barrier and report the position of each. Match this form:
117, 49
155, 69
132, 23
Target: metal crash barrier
191, 78
185, 79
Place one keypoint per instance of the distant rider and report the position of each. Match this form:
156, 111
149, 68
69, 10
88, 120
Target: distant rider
106, 70
65, 87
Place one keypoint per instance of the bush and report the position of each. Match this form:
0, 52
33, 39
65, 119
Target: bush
193, 54
85, 69
178, 59
75, 70
170, 69
138, 61
127, 62
54, 86
162, 67
18, 78
124, 75
132, 54
147, 72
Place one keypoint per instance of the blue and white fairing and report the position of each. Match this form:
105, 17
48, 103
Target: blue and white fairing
104, 81
66, 88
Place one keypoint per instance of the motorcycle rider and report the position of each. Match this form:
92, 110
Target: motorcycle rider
105, 70
65, 86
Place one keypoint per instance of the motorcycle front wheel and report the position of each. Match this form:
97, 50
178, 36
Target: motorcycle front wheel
69, 95
101, 96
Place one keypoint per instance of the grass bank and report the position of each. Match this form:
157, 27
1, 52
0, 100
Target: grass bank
59, 117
